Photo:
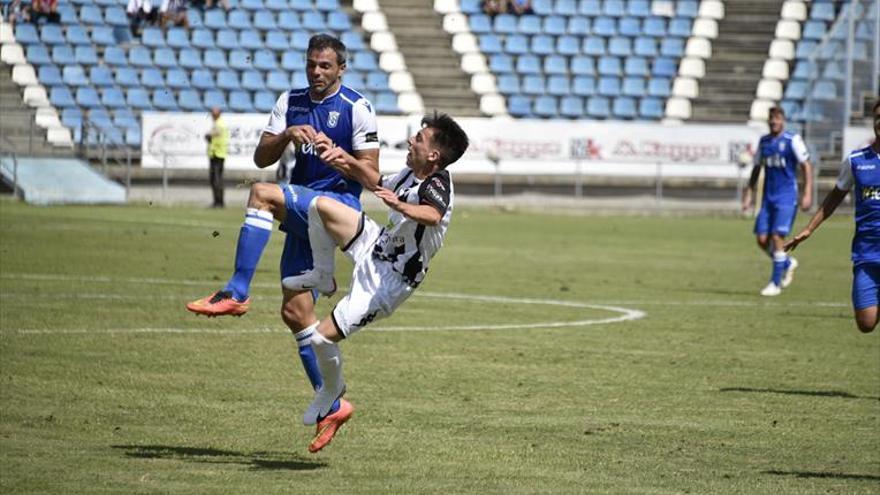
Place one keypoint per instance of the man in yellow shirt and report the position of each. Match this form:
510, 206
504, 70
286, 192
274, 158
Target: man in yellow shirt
218, 146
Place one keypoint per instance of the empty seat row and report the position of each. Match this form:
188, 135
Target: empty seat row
598, 107
511, 84
541, 44
583, 65
603, 26
613, 8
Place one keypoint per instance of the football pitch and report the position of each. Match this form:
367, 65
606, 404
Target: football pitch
545, 353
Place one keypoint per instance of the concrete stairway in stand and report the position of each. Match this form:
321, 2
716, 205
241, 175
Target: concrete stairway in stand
19, 132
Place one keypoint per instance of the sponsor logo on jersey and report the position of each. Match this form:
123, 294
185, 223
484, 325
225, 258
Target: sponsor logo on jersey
372, 137
871, 193
781, 146
866, 167
298, 109
367, 319
332, 119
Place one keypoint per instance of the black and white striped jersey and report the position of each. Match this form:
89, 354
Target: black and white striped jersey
405, 243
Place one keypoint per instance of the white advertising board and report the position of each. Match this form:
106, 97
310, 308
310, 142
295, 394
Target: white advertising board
520, 147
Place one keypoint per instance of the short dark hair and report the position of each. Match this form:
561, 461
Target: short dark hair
448, 136
320, 42
776, 110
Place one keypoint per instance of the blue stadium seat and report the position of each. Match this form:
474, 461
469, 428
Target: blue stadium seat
203, 79
796, 89
227, 79
469, 7
240, 101
386, 102
49, 75
264, 101
139, 56
654, 26
614, 8
87, 97
567, 45
594, 45
327, 5
545, 107
298, 79
354, 80
278, 41
91, 14
277, 5
501, 63
99, 116
508, 84
490, 44
609, 66
531, 24
238, 19
805, 69
598, 107
579, 26
264, 20
250, 40
338, 22
292, 60
227, 39
638, 8
620, 46
214, 58
67, 12
253, 80
377, 81
528, 64
151, 77
542, 44
687, 8
659, 86
791, 108
265, 60
363, 61
834, 70
103, 35
636, 66
822, 11
672, 47
664, 67
629, 26
583, 86
505, 24
113, 98
215, 19
516, 44
679, 26
813, 30
165, 58
177, 38
203, 38
645, 46
633, 86
52, 34
533, 84
133, 137
152, 37
138, 98
127, 77
555, 64
176, 78
190, 100
583, 65
608, 86
353, 41
72, 117
61, 97
74, 75
519, 106
604, 26
805, 49
124, 117
115, 16
558, 85
63, 55
289, 19
542, 7
554, 25
480, 24
194, 16
571, 107
252, 4
37, 55
651, 108
190, 58
164, 99
565, 7
313, 21
299, 40
86, 55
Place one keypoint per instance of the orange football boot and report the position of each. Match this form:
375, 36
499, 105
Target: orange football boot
218, 304
328, 426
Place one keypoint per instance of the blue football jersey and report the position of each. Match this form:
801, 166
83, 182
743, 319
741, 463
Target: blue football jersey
861, 173
346, 117
780, 156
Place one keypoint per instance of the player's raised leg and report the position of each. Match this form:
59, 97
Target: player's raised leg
265, 203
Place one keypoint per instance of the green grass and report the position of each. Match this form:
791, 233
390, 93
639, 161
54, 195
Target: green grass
107, 385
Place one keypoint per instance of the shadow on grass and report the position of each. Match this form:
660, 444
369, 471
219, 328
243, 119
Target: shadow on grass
256, 460
813, 474
813, 393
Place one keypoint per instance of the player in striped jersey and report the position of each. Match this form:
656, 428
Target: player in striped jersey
777, 159
860, 172
391, 261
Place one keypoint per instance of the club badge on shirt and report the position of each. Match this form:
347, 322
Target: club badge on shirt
332, 119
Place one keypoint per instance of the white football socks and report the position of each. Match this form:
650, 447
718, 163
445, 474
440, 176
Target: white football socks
323, 246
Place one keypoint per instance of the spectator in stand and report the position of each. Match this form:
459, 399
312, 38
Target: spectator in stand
173, 12
521, 7
494, 7
18, 12
140, 12
47, 9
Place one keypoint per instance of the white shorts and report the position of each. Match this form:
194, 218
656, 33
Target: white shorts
376, 289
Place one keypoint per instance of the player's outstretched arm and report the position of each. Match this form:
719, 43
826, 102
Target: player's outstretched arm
362, 165
831, 202
423, 214
749, 191
807, 197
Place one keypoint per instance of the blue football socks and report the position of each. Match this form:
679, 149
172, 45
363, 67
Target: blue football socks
252, 240
780, 262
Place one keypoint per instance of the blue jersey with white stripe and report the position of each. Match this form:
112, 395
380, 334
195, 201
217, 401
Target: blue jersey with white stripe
864, 167
780, 156
334, 117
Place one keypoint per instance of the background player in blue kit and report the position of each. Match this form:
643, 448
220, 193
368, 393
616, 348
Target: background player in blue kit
860, 172
326, 112
777, 159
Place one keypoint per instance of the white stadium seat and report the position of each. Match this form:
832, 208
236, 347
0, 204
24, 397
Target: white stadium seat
794, 10
411, 102
446, 6
698, 47
769, 89
47, 117
712, 9
59, 136
24, 75
12, 54
788, 30
455, 23
493, 105
366, 5
392, 61
35, 96
472, 63
678, 108
400, 81
483, 83
464, 43
374, 21
692, 67
782, 49
706, 28
383, 41
6, 35
685, 87
775, 69
759, 110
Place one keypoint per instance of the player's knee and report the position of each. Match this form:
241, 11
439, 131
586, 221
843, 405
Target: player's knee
262, 195
296, 318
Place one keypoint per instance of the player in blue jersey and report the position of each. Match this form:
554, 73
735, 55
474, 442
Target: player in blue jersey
860, 172
323, 114
779, 155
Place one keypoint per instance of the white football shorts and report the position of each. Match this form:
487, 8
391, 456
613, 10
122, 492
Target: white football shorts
376, 289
